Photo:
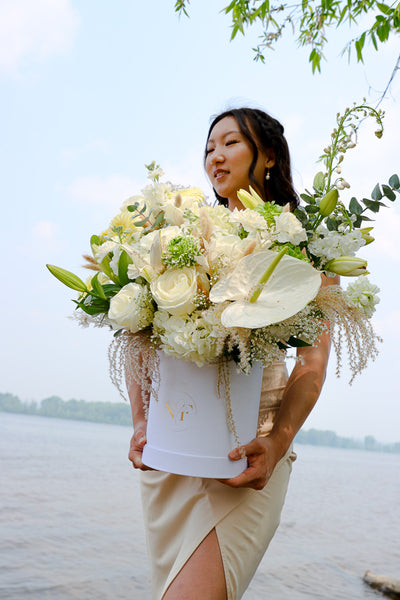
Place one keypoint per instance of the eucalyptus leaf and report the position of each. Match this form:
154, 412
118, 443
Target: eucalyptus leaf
388, 192
308, 199
376, 193
371, 205
332, 224
355, 207
394, 182
301, 215
311, 209
319, 182
159, 219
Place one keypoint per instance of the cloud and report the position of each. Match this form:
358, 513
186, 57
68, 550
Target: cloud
32, 31
42, 240
106, 191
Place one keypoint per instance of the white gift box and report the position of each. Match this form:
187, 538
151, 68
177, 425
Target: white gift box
187, 429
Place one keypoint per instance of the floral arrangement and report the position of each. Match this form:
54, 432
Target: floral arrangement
200, 282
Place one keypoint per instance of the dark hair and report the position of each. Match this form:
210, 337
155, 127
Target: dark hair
264, 132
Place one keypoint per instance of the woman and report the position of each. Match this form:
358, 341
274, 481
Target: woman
206, 537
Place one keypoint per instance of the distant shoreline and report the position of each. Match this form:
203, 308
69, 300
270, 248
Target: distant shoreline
118, 413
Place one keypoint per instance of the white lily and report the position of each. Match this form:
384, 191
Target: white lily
292, 285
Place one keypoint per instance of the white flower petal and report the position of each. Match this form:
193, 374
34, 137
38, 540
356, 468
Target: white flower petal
293, 284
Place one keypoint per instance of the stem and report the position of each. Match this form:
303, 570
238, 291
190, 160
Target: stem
271, 268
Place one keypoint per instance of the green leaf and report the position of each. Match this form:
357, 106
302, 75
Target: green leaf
94, 308
301, 215
376, 193
111, 289
371, 205
297, 342
331, 224
355, 207
105, 267
384, 8
94, 241
394, 182
311, 209
308, 199
97, 287
123, 263
319, 182
67, 278
159, 219
388, 192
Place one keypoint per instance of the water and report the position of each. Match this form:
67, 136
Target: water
71, 519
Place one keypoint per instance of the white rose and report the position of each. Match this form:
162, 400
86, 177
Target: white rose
289, 229
131, 308
175, 289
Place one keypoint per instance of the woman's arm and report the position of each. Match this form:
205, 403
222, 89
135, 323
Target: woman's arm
138, 439
301, 393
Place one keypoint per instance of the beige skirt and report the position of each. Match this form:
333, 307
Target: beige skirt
180, 511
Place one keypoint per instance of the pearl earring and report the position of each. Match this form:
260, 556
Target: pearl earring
268, 175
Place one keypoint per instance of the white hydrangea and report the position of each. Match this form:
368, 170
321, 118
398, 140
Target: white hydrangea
335, 244
363, 294
191, 338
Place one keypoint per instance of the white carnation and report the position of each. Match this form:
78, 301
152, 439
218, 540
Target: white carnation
289, 229
363, 294
250, 220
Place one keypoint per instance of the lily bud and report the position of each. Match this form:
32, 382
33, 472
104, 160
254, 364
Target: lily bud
365, 233
348, 266
250, 200
328, 202
67, 278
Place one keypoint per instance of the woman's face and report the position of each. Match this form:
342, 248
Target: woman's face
228, 159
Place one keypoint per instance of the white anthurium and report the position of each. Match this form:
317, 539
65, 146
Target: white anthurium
292, 285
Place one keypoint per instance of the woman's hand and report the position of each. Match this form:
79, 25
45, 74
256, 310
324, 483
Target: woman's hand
138, 440
263, 454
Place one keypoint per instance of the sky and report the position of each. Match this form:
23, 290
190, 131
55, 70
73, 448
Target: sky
89, 93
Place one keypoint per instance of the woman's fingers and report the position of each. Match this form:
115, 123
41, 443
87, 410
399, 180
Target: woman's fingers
261, 463
137, 444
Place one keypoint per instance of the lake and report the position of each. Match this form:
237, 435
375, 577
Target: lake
71, 523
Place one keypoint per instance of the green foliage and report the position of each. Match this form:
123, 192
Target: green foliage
309, 21
323, 204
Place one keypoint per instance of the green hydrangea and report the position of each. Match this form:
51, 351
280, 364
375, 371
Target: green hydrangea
182, 251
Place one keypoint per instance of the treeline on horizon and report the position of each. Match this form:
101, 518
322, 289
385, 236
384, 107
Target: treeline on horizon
118, 413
